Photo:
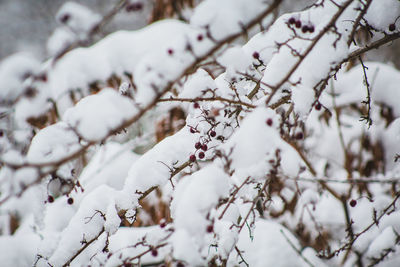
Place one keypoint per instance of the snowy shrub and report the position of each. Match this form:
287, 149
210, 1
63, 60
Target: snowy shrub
225, 135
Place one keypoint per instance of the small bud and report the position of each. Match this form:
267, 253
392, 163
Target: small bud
210, 228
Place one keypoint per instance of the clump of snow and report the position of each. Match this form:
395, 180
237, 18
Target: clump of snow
95, 116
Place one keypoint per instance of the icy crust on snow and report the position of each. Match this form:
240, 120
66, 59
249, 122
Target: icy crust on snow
95, 116
53, 143
193, 199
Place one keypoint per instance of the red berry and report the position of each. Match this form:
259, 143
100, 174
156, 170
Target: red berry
210, 228
196, 105
392, 27
163, 224
180, 264
192, 130
299, 136
154, 252
204, 147
70, 201
213, 133
256, 55
318, 106
50, 199
292, 20
269, 122
199, 37
353, 203
64, 18
197, 145
304, 29
201, 155
170, 52
311, 28
192, 158
298, 24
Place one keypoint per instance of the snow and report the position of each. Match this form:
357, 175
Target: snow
95, 116
214, 208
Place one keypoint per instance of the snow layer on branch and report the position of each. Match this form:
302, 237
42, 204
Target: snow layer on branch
328, 50
197, 85
97, 211
270, 246
152, 169
95, 116
193, 199
255, 143
13, 71
77, 17
108, 166
53, 143
224, 17
382, 13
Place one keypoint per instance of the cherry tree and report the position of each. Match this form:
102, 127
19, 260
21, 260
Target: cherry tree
221, 134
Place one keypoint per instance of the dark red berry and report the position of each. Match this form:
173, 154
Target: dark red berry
269, 122
304, 29
192, 158
70, 201
180, 264
42, 77
311, 28
201, 155
196, 105
134, 7
200, 37
318, 106
170, 52
204, 147
30, 92
1, 133
50, 199
197, 145
392, 27
192, 130
210, 228
256, 55
213, 133
299, 135
64, 18
353, 203
292, 20
298, 24
154, 252
163, 224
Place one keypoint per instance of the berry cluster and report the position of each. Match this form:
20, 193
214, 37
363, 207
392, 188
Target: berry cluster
298, 24
201, 154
